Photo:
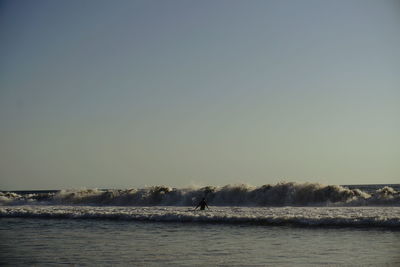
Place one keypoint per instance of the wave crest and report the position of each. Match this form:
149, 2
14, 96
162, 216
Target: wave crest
281, 194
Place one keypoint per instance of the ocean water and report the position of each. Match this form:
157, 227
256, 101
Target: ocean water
119, 242
285, 224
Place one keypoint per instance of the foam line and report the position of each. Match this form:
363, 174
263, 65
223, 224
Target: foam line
298, 216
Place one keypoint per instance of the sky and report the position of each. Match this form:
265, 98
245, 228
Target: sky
118, 94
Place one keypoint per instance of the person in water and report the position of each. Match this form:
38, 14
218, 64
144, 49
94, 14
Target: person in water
202, 204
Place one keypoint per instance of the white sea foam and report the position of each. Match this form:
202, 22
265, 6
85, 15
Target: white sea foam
301, 216
281, 194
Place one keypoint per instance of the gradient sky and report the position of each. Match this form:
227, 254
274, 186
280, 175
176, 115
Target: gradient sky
116, 94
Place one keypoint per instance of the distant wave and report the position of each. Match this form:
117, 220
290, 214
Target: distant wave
281, 194
297, 216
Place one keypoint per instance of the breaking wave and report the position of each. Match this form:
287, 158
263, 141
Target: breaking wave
281, 194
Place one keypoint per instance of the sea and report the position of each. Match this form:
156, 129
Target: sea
284, 224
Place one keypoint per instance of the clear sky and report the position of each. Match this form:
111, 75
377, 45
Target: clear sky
116, 94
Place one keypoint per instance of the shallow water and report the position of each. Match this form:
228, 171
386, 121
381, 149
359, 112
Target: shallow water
27, 241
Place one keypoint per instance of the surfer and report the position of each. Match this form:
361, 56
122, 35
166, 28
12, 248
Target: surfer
202, 204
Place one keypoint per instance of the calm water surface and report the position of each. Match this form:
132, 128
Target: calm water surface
106, 242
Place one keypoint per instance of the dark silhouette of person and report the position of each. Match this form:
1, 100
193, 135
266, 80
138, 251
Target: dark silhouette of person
202, 204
